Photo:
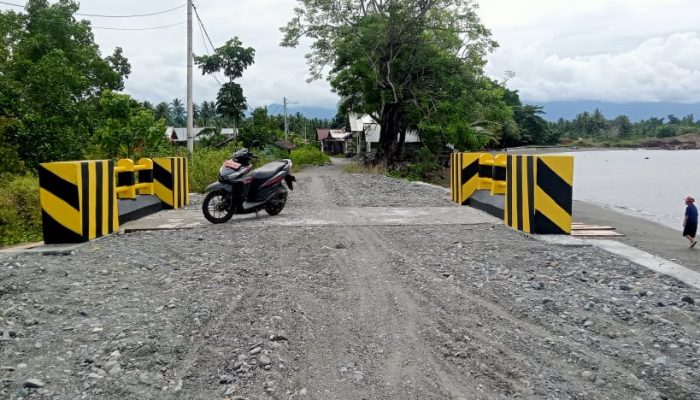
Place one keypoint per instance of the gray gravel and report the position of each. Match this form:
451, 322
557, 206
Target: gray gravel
361, 190
389, 312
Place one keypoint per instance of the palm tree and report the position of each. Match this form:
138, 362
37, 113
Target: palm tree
163, 111
178, 112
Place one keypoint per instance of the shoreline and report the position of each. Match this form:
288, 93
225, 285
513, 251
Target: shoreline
641, 233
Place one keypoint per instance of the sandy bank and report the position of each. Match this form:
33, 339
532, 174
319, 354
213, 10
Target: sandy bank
643, 234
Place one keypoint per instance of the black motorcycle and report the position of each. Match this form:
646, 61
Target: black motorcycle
242, 191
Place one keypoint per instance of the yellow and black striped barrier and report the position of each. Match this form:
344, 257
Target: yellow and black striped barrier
133, 179
80, 199
171, 184
77, 201
485, 171
498, 178
464, 180
531, 193
539, 194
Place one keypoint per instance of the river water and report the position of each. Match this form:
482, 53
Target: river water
646, 183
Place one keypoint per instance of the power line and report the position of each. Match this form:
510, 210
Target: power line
206, 49
132, 15
202, 28
202, 24
139, 29
106, 15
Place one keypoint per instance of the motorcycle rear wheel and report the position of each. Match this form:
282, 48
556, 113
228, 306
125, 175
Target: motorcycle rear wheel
217, 206
276, 204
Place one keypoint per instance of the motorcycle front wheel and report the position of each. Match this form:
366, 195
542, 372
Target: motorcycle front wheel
217, 206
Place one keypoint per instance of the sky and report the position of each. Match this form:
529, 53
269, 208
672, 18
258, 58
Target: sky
606, 50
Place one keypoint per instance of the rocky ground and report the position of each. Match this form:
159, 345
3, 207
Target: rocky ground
236, 311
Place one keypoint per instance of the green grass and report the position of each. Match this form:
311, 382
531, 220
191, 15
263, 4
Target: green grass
205, 163
356, 168
309, 155
204, 167
20, 210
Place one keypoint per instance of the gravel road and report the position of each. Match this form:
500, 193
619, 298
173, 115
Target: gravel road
238, 311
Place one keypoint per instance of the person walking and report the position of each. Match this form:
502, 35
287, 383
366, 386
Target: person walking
690, 222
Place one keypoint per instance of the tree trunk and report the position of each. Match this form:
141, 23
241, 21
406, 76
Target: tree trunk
392, 115
401, 145
362, 144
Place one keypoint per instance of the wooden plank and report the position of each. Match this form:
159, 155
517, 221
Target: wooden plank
591, 227
595, 233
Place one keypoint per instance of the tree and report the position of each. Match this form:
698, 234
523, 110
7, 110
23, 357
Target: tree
260, 126
163, 111
622, 126
178, 112
121, 65
207, 113
51, 73
230, 102
534, 129
128, 130
231, 58
405, 62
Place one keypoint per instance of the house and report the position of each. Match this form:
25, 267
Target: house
179, 135
334, 141
363, 126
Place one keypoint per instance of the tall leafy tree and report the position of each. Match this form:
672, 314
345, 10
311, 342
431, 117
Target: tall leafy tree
128, 129
231, 59
405, 62
120, 64
51, 72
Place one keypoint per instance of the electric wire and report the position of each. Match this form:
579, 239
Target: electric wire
206, 49
202, 28
139, 29
202, 24
132, 15
108, 15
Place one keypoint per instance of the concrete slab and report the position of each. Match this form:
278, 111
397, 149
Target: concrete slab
650, 261
142, 205
349, 216
494, 205
42, 248
633, 254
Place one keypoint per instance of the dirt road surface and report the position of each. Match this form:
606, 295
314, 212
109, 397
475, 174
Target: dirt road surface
351, 308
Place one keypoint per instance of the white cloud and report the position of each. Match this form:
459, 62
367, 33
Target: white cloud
614, 50
659, 69
158, 58
609, 50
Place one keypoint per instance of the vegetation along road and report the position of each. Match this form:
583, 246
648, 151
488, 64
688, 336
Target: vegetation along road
292, 307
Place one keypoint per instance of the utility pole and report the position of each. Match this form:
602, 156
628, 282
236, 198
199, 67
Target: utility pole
286, 123
190, 122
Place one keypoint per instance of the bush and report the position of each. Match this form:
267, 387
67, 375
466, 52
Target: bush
20, 210
309, 155
426, 168
204, 166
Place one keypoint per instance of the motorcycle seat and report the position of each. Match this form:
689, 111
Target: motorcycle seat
268, 170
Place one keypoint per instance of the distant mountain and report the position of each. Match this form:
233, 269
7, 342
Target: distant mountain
554, 109
635, 111
308, 112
